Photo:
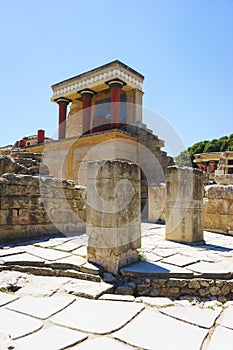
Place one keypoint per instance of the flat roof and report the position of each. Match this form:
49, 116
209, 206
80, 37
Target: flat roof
115, 62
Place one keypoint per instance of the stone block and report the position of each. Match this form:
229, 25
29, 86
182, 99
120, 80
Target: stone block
113, 213
156, 202
4, 217
184, 208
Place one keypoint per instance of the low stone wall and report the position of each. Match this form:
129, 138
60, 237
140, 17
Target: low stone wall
174, 288
32, 206
218, 208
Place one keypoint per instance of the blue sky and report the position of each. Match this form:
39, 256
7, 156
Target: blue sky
184, 48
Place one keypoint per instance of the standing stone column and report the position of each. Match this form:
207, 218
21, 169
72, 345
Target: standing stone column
184, 204
113, 213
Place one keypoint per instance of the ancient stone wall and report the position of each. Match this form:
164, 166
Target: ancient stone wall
218, 208
33, 206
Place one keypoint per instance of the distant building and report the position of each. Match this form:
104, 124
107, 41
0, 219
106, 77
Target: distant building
215, 162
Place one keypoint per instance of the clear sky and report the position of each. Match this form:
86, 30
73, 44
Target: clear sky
184, 48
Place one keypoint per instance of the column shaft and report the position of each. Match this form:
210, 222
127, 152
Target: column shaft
63, 103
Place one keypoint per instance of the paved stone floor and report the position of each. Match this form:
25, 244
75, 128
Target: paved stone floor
77, 310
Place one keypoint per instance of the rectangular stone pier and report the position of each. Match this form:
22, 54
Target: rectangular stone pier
184, 204
113, 213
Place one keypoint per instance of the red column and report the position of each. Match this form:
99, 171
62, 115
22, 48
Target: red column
115, 86
86, 110
40, 136
63, 103
22, 143
200, 166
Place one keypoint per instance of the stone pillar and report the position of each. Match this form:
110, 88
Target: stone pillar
113, 213
115, 87
87, 95
63, 103
40, 136
184, 204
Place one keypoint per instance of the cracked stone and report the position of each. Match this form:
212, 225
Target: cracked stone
98, 316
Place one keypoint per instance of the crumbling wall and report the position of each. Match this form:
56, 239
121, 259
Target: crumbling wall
218, 208
21, 162
32, 206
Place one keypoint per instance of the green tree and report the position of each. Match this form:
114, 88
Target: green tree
223, 144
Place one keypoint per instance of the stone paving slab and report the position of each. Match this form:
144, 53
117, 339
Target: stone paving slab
70, 261
51, 241
53, 338
212, 270
87, 289
10, 251
18, 325
98, 316
102, 343
42, 286
222, 339
47, 254
22, 258
41, 308
117, 297
69, 246
227, 319
180, 260
158, 269
156, 302
194, 315
82, 251
7, 298
152, 330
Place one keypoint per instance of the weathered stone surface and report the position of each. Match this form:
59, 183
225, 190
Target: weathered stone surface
41, 307
87, 289
102, 343
6, 298
144, 268
180, 260
211, 269
34, 206
6, 342
156, 202
156, 302
52, 338
48, 254
218, 208
152, 330
227, 319
99, 316
113, 213
184, 204
221, 339
23, 258
41, 286
18, 325
200, 317
117, 297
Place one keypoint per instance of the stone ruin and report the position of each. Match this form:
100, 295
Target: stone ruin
32, 204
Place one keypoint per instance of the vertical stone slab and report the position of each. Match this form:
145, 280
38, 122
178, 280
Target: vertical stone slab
113, 213
156, 202
184, 204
